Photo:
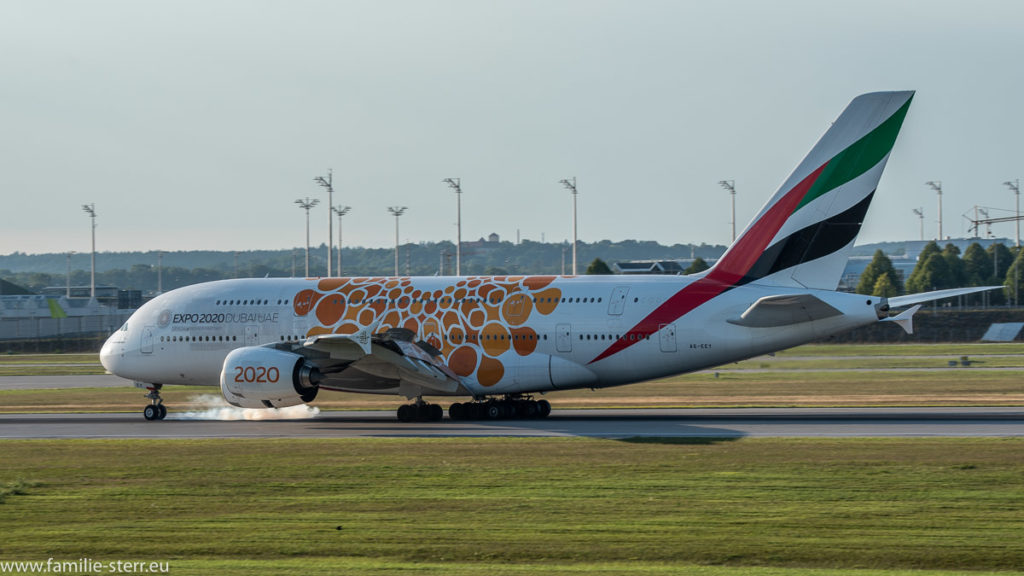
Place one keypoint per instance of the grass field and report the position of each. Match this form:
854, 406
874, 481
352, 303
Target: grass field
520, 506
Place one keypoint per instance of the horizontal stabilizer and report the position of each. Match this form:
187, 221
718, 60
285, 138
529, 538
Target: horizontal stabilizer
909, 299
772, 311
904, 319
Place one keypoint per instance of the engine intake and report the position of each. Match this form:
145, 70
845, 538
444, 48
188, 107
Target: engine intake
259, 377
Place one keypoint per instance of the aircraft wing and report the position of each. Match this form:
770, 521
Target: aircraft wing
414, 367
783, 310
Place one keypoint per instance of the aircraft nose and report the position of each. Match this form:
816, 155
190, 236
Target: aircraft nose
111, 354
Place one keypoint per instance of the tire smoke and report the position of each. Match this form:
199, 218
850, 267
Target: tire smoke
214, 407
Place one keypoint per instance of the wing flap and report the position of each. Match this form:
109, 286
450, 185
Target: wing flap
784, 310
389, 357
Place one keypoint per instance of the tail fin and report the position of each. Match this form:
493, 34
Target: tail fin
803, 235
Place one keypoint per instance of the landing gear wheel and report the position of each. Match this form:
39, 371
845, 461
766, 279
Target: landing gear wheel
152, 412
436, 412
457, 411
163, 412
544, 408
406, 413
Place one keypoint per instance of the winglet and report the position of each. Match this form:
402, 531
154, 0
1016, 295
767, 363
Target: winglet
904, 319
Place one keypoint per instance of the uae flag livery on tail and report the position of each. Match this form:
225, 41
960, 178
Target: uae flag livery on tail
802, 236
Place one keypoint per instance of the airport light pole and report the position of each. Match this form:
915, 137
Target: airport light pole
329, 184
396, 211
570, 185
937, 186
307, 203
90, 209
340, 211
1015, 186
69, 274
456, 184
920, 216
730, 185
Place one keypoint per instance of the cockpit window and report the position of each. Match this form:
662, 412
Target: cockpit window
125, 327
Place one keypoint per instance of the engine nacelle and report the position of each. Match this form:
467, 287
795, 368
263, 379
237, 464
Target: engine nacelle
258, 377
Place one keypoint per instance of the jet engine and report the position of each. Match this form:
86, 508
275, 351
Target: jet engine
259, 377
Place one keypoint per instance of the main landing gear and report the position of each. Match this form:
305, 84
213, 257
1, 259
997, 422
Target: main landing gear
510, 407
156, 410
507, 408
420, 411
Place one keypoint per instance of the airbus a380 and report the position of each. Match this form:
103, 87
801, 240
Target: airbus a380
498, 340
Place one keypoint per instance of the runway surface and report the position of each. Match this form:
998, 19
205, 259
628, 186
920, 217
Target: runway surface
733, 423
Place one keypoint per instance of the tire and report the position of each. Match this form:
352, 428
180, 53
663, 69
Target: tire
436, 412
152, 412
406, 413
493, 411
544, 408
163, 412
456, 412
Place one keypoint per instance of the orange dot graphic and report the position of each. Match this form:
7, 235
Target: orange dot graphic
524, 340
463, 360
490, 371
495, 339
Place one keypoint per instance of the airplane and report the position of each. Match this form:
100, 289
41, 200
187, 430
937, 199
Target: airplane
498, 341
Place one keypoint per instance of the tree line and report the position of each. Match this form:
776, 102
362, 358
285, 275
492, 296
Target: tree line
941, 268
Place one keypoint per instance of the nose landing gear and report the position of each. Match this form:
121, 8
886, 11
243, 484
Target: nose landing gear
156, 410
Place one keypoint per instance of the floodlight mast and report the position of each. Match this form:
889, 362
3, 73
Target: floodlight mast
329, 184
456, 184
730, 185
90, 209
397, 211
340, 211
1015, 186
937, 186
570, 185
307, 203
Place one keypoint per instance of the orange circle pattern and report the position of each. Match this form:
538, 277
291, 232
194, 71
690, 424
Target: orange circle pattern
473, 322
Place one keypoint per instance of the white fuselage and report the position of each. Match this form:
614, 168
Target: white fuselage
501, 335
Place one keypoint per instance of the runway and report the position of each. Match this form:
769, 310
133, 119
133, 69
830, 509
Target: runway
612, 424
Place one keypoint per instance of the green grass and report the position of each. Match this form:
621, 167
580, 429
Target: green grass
518, 506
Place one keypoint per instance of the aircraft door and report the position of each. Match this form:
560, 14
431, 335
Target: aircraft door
667, 336
252, 335
618, 300
147, 340
563, 337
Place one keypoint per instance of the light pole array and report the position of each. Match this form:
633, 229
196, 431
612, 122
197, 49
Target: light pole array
340, 211
329, 184
730, 185
90, 209
937, 186
456, 184
920, 216
571, 187
1015, 186
396, 211
306, 204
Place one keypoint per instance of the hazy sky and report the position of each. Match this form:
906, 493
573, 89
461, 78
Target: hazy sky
196, 124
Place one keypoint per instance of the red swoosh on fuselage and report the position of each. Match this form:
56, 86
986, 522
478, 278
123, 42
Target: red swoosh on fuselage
730, 269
